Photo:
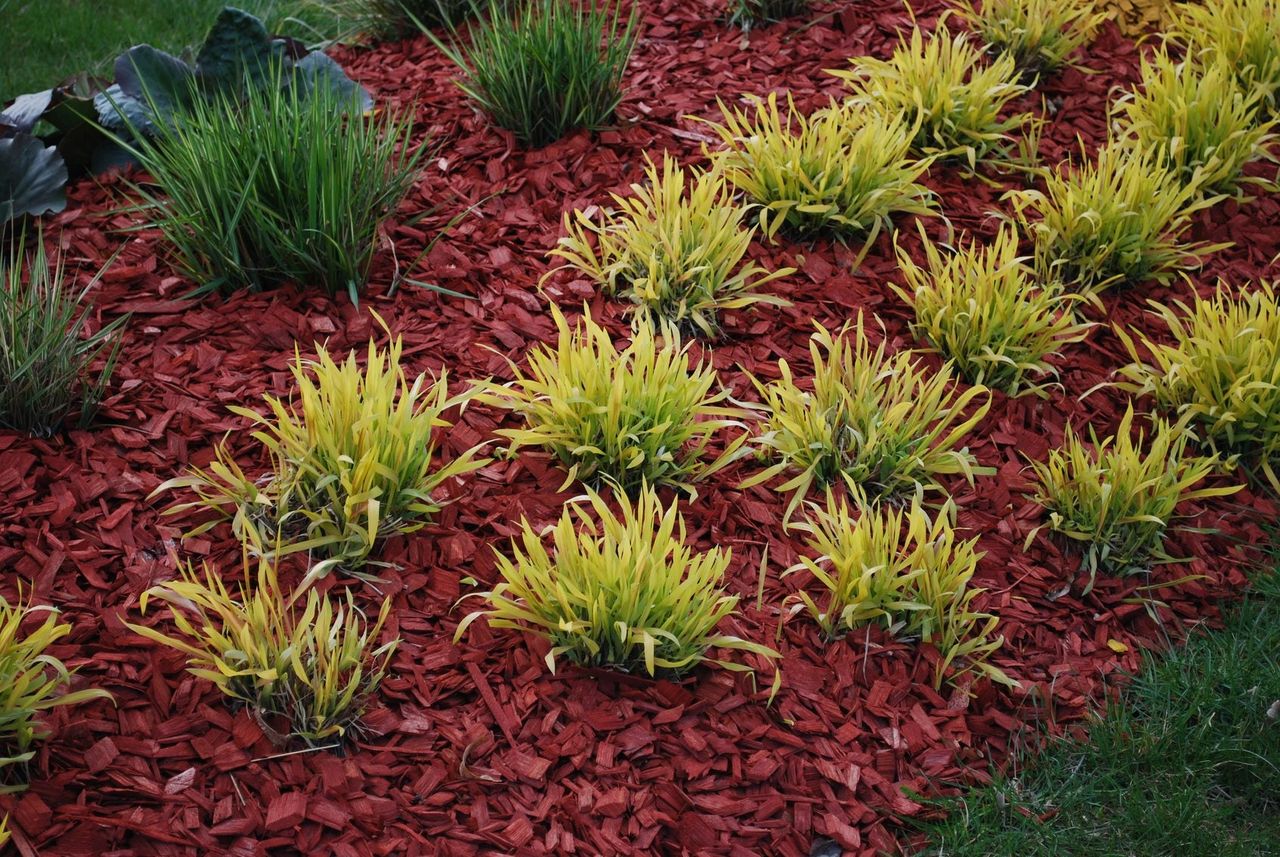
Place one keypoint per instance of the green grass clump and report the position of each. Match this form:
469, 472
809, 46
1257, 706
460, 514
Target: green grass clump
955, 98
543, 68
982, 309
629, 417
1203, 126
1243, 35
1221, 371
1184, 763
1040, 35
880, 423
1115, 221
841, 170
672, 249
1113, 499
619, 589
390, 19
902, 570
753, 13
278, 187
46, 359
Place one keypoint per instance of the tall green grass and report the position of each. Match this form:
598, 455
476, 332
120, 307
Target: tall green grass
280, 187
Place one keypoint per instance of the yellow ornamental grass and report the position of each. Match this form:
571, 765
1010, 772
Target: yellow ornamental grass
982, 309
630, 417
1203, 126
881, 423
1115, 221
902, 570
1115, 498
352, 460
841, 170
673, 250
1221, 372
1040, 35
1244, 35
621, 590
304, 664
31, 683
956, 99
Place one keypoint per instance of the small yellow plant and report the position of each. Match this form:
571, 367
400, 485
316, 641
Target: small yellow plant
352, 461
1040, 35
880, 423
673, 249
1203, 126
904, 571
1117, 220
841, 170
627, 592
982, 309
31, 682
630, 417
1114, 499
945, 88
304, 671
1221, 372
1242, 34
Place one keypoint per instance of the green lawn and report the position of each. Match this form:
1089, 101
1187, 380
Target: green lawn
1187, 764
44, 41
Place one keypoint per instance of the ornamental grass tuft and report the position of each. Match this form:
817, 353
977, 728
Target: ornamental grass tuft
841, 171
753, 13
1113, 499
983, 309
1220, 370
673, 250
879, 423
1244, 35
1040, 35
630, 417
618, 589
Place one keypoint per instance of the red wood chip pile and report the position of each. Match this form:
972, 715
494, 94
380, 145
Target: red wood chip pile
475, 748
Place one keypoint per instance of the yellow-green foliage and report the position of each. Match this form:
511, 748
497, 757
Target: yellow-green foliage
982, 309
1117, 220
947, 89
840, 170
1203, 125
31, 681
625, 417
352, 460
671, 249
306, 662
1222, 372
1040, 35
882, 423
626, 592
1114, 498
900, 569
1243, 34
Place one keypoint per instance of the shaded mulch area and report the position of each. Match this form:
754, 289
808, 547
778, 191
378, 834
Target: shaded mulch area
475, 748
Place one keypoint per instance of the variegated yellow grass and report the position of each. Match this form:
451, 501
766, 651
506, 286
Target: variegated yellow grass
1040, 35
900, 569
842, 171
32, 682
673, 250
1221, 372
983, 309
307, 662
1244, 35
352, 461
882, 423
956, 100
1114, 499
640, 415
618, 589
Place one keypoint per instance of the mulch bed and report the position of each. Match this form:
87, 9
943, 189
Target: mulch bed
475, 748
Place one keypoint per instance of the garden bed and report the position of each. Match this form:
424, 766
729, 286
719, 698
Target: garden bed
475, 747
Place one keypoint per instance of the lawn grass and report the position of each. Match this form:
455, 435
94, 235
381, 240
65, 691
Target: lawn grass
1186, 764
44, 41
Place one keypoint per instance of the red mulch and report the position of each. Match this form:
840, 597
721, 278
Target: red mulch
475, 748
